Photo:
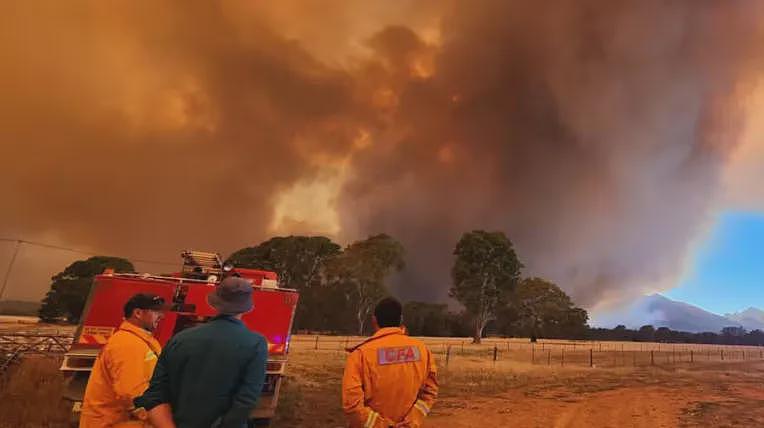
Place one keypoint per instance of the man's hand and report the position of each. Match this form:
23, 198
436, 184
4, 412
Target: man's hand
161, 416
139, 414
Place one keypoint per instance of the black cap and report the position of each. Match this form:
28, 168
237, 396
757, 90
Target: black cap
144, 301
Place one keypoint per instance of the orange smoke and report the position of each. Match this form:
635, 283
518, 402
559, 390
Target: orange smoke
595, 136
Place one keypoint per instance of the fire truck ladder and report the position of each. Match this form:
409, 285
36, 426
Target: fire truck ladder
201, 264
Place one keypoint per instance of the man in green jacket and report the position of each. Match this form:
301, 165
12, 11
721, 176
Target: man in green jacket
210, 375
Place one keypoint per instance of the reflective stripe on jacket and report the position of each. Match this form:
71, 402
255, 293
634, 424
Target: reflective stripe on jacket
389, 378
121, 372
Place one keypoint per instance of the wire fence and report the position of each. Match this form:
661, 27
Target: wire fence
555, 353
15, 345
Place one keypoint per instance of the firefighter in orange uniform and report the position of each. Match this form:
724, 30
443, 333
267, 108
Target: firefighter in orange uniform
390, 378
124, 367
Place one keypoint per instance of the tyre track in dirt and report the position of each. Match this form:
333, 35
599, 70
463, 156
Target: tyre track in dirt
714, 395
639, 407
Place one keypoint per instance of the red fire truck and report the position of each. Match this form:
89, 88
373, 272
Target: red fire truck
187, 292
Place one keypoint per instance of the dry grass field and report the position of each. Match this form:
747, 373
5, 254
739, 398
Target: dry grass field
525, 387
518, 392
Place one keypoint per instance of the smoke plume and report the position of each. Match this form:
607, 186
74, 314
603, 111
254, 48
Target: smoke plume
594, 134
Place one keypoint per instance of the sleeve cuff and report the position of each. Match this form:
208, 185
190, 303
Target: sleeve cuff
142, 403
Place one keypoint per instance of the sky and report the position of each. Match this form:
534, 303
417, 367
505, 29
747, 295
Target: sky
727, 270
604, 141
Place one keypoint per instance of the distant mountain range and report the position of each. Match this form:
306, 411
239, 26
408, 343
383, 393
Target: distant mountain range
750, 319
660, 311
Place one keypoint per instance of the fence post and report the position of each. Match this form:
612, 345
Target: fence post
448, 354
562, 357
462, 347
652, 357
316, 342
533, 354
600, 346
591, 357
495, 353
692, 357
549, 357
722, 354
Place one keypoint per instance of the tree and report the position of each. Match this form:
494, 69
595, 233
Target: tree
360, 271
70, 289
485, 271
732, 335
299, 262
576, 323
508, 322
620, 332
647, 333
754, 337
707, 337
544, 309
663, 334
733, 331
426, 319
460, 324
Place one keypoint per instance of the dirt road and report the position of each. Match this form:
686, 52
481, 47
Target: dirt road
712, 396
626, 407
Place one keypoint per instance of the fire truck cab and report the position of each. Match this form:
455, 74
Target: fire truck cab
186, 291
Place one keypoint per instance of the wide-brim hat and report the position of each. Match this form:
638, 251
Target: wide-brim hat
232, 296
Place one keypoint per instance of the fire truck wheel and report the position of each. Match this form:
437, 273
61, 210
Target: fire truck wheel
259, 422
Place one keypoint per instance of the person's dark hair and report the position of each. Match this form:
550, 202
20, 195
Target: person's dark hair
388, 312
142, 301
128, 309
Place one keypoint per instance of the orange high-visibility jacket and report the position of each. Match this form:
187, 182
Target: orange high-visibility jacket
121, 372
389, 378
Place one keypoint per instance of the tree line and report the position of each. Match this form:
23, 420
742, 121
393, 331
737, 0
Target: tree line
648, 333
340, 286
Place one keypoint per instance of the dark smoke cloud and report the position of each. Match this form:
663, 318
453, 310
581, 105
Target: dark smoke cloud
592, 133
145, 128
148, 129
